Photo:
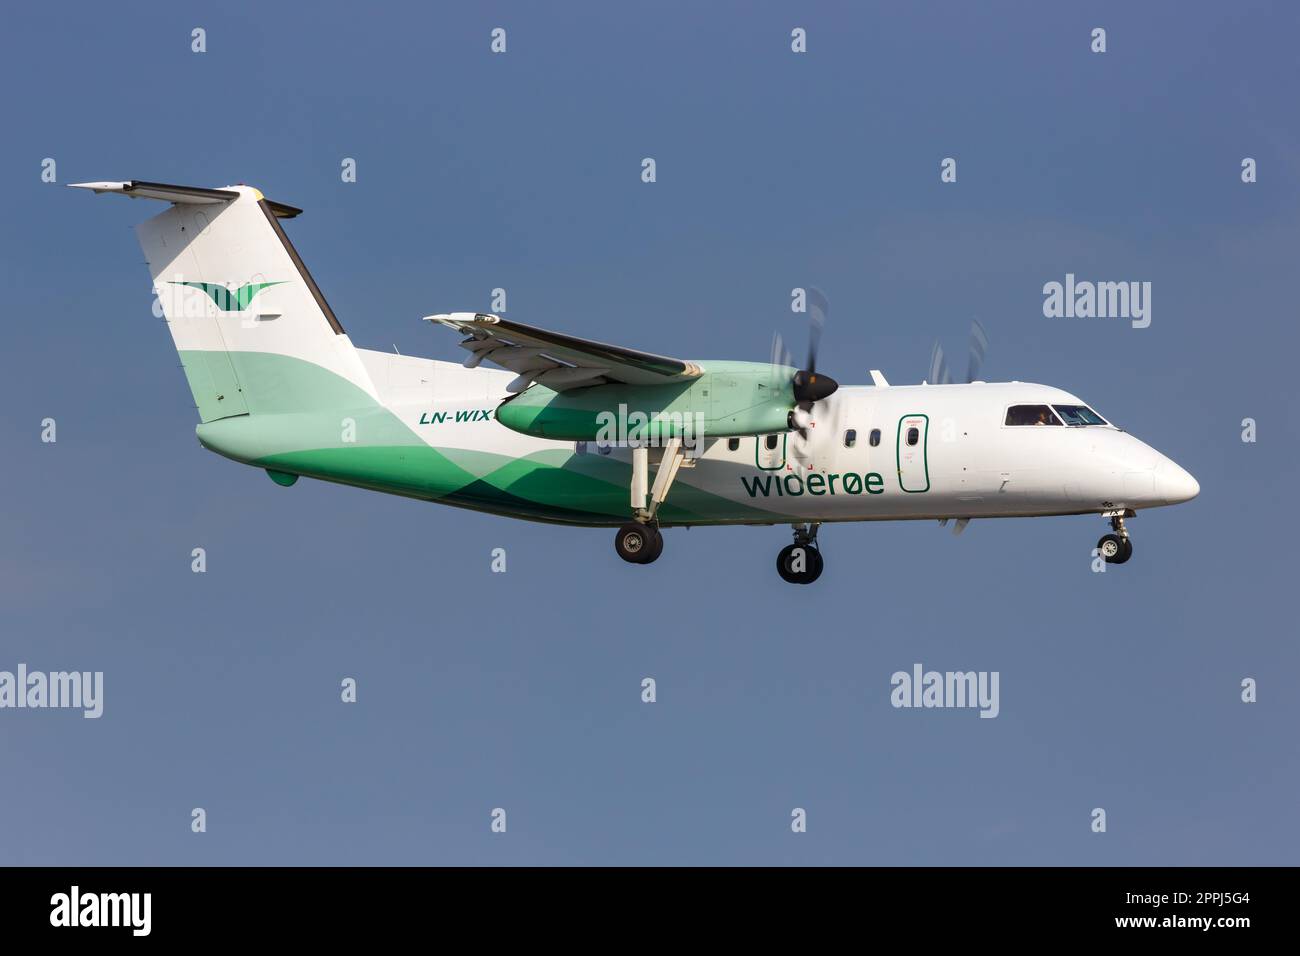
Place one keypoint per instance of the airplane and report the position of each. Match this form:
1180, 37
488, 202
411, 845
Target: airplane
578, 432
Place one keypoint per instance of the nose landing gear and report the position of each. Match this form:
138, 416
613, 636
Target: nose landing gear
1116, 548
801, 562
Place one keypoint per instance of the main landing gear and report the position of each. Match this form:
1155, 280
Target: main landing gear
801, 562
1116, 548
639, 541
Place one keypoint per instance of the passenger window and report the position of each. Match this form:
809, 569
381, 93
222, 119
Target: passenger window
875, 437
913, 436
850, 438
580, 447
1031, 415
733, 444
770, 442
603, 449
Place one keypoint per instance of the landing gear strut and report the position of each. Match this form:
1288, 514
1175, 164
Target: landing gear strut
1116, 548
639, 541
801, 562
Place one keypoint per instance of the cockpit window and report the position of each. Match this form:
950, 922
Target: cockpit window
1031, 415
1079, 415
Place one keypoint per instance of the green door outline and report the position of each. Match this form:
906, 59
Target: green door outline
758, 448
925, 457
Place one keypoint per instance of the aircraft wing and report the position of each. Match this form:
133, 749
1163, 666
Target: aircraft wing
560, 362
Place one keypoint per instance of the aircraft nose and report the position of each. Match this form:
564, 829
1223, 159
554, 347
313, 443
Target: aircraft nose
1175, 485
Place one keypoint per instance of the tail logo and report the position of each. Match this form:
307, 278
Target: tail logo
228, 300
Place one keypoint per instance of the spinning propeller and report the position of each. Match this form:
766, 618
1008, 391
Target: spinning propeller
939, 375
979, 344
808, 386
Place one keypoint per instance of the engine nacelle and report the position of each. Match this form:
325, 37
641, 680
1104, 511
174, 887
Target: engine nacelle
729, 398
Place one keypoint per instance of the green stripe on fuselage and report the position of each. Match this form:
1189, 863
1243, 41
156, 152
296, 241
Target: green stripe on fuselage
302, 417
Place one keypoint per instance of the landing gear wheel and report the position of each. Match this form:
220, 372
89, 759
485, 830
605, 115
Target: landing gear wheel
638, 544
1115, 549
799, 564
656, 547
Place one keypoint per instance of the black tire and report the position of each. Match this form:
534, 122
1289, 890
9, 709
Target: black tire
634, 541
656, 548
812, 560
815, 565
1115, 549
783, 564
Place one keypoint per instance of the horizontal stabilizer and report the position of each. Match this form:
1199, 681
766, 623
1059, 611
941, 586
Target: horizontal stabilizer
188, 195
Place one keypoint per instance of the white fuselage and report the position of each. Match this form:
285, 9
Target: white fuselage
966, 462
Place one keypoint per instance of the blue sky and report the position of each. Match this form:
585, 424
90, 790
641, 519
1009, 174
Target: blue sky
522, 691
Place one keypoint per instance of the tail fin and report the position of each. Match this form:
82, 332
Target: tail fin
253, 331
